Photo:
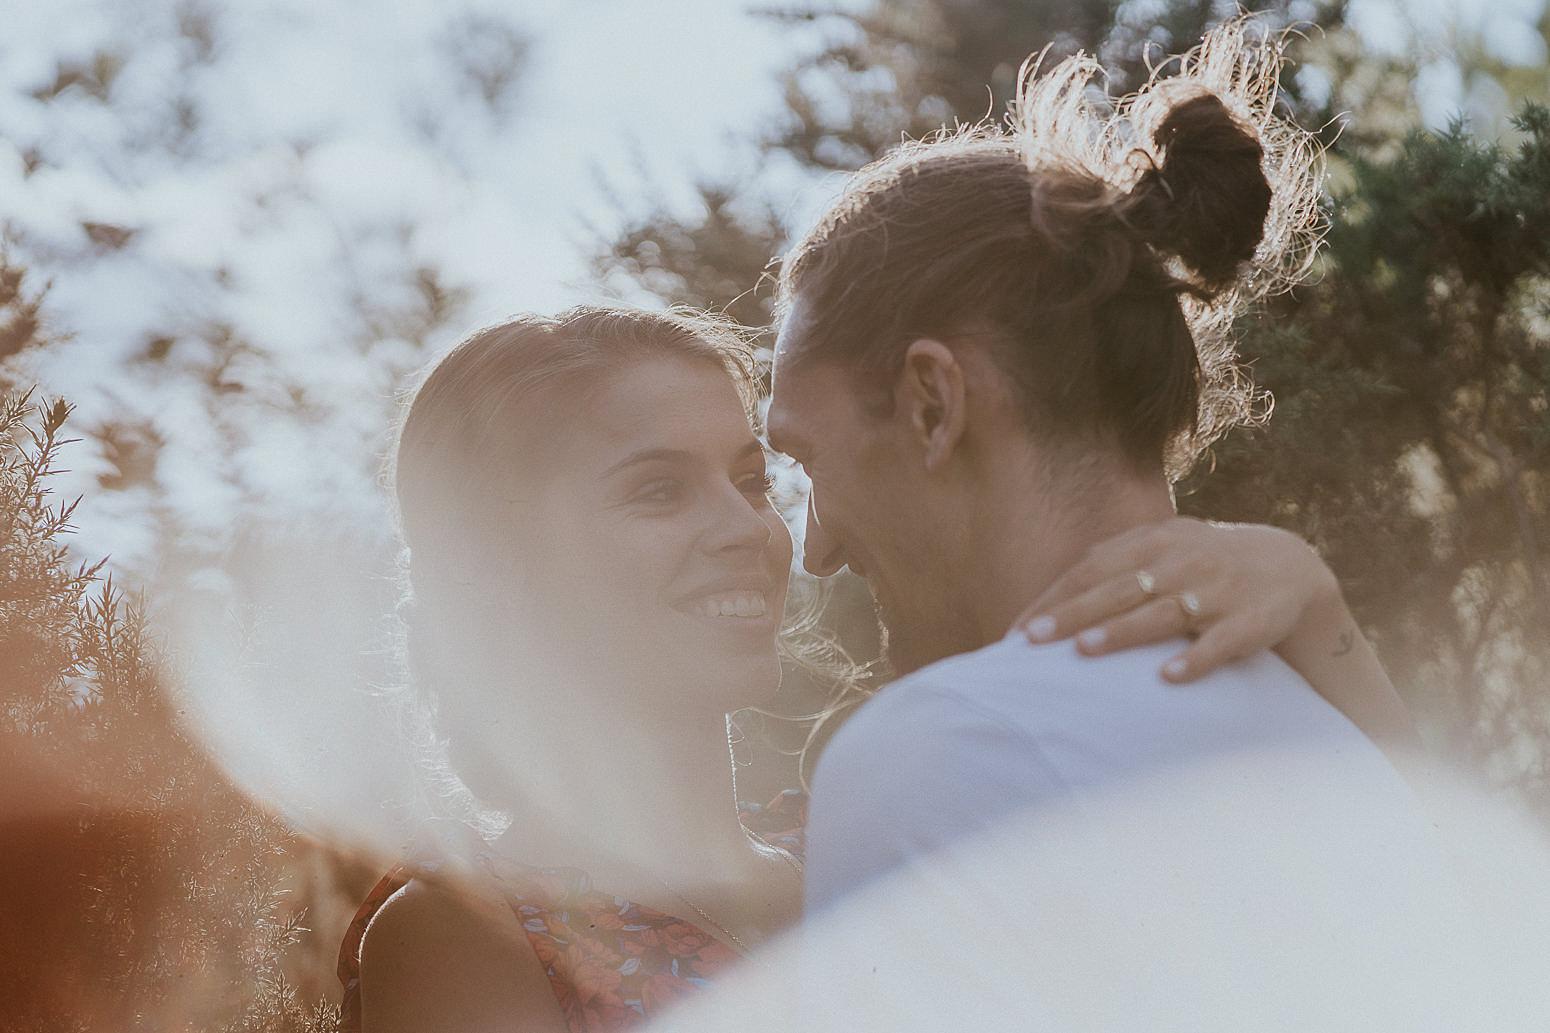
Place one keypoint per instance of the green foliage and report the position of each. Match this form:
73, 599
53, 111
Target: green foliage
1411, 437
43, 639
144, 892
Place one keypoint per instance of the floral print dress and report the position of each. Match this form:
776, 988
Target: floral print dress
613, 963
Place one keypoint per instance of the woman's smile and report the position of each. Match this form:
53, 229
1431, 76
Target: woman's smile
739, 603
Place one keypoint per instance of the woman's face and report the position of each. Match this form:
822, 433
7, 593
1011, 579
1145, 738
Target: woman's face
656, 566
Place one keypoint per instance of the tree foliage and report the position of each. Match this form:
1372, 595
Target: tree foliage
1411, 437
246, 271
143, 891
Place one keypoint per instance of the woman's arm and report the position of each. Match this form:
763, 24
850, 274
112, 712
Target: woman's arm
1235, 589
1329, 650
432, 960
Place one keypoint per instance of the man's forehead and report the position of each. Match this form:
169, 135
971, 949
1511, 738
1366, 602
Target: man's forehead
794, 404
790, 341
791, 338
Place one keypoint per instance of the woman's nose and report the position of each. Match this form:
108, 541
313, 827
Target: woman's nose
821, 554
740, 526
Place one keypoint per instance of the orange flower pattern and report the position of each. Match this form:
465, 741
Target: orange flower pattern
613, 963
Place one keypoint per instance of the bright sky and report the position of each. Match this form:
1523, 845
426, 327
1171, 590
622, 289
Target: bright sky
321, 130
641, 96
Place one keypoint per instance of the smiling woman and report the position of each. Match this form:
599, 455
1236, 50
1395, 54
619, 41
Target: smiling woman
598, 577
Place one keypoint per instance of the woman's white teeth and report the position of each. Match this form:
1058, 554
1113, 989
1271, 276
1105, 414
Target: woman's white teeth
735, 604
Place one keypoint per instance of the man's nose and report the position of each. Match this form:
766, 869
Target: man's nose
821, 554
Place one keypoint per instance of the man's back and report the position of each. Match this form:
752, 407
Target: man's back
1150, 852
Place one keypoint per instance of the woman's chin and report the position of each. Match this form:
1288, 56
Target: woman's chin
748, 681
724, 640
763, 683
724, 683
692, 662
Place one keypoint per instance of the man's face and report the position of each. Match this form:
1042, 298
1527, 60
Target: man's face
869, 508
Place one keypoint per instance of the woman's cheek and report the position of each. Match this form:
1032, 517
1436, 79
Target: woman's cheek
647, 557
782, 547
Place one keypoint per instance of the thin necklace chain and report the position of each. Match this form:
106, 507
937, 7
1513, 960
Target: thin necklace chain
784, 855
723, 930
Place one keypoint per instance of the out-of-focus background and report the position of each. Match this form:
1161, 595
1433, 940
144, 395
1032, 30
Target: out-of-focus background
229, 230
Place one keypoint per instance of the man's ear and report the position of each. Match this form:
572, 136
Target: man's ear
930, 397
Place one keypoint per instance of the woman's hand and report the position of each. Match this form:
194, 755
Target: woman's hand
1236, 588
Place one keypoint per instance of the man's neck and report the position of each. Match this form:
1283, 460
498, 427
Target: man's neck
1025, 540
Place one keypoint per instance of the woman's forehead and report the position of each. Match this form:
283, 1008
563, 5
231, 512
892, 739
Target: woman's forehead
671, 402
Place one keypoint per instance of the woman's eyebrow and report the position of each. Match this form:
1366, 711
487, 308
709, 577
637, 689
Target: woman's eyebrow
675, 455
646, 455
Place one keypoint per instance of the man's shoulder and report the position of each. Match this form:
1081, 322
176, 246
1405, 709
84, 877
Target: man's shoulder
1010, 677
919, 766
1053, 664
924, 700
1059, 706
964, 703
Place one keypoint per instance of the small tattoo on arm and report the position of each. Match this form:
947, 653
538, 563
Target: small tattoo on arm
1347, 643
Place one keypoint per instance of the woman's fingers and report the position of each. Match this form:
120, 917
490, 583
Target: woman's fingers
1156, 621
1123, 554
1223, 643
1220, 642
1074, 583
1107, 600
1252, 583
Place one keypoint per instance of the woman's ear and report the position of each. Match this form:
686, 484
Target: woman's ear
930, 398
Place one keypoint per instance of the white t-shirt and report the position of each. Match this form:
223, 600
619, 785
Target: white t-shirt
1076, 837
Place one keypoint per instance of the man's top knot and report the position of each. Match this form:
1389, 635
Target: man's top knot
1207, 200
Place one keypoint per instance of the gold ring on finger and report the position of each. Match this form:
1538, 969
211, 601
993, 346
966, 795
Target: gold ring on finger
1147, 582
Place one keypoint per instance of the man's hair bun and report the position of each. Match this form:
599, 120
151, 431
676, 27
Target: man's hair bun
1106, 244
1206, 201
